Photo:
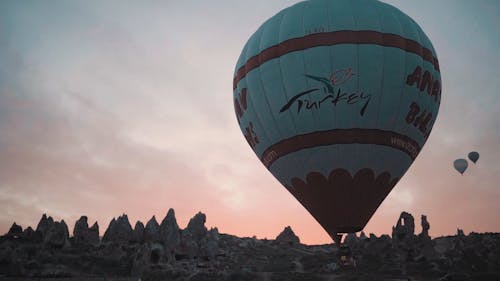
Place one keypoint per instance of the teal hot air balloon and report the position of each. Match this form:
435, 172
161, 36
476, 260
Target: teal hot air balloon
337, 98
473, 156
460, 165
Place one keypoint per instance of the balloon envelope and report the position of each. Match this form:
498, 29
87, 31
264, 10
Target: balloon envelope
473, 156
337, 98
460, 165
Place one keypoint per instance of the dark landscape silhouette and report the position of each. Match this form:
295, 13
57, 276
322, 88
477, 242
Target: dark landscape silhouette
163, 251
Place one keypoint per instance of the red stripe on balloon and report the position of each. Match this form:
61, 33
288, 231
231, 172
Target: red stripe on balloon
340, 136
335, 38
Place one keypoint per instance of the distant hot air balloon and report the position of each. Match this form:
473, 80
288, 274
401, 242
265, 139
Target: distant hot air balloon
337, 98
473, 156
460, 165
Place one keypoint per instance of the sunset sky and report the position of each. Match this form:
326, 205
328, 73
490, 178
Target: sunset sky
111, 107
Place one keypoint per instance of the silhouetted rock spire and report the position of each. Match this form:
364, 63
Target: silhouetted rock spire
405, 228
45, 224
138, 232
169, 230
83, 234
119, 230
425, 228
15, 230
287, 236
152, 231
196, 226
57, 235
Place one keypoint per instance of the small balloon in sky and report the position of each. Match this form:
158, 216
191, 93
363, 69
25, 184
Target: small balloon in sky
460, 165
473, 156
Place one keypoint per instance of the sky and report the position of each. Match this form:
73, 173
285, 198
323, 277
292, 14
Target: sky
111, 107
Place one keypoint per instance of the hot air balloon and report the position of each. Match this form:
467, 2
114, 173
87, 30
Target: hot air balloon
336, 99
473, 156
460, 165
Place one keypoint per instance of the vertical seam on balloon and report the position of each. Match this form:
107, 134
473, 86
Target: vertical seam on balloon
330, 49
440, 85
252, 107
250, 99
264, 93
305, 72
406, 130
425, 98
391, 123
377, 122
257, 117
280, 26
282, 76
332, 155
356, 146
430, 100
266, 97
401, 90
440, 80
372, 151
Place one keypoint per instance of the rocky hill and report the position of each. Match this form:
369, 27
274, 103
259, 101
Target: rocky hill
163, 251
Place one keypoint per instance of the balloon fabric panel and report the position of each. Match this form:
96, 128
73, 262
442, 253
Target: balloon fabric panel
337, 98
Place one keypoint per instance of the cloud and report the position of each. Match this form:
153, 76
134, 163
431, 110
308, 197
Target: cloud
67, 153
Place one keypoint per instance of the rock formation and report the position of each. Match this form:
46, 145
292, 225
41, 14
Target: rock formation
119, 231
187, 248
152, 231
196, 226
15, 230
405, 228
57, 235
287, 236
45, 224
30, 235
169, 231
209, 246
82, 234
124, 254
138, 232
425, 228
94, 233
